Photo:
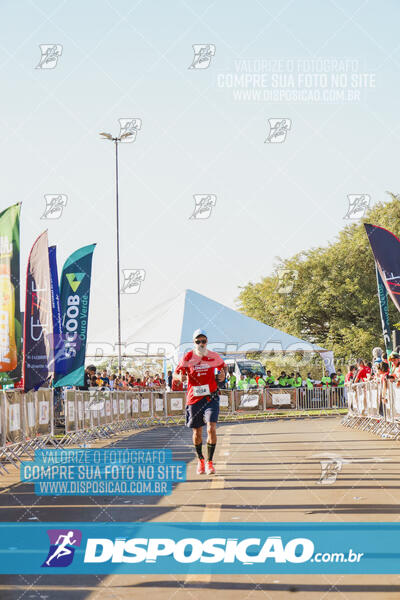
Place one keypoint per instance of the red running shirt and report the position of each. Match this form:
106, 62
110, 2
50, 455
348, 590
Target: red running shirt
349, 376
201, 374
177, 386
362, 374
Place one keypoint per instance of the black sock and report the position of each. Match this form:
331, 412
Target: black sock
210, 450
199, 451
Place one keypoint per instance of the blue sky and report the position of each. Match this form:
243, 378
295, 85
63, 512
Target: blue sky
130, 59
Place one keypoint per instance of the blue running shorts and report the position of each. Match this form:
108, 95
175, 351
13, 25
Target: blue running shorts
203, 411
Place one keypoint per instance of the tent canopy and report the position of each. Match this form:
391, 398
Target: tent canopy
173, 322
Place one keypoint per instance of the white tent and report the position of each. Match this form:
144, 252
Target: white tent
171, 324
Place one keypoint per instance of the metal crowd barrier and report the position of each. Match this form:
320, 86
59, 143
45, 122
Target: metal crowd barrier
27, 420
26, 424
374, 407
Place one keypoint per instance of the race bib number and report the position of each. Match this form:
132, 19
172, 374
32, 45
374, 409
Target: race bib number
201, 390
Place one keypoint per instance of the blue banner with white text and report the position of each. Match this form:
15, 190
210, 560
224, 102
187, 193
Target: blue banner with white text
217, 548
74, 303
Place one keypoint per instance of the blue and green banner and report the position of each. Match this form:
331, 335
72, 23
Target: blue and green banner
74, 305
10, 321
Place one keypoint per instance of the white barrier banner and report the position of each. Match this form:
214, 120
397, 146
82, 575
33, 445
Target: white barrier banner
176, 403
145, 405
71, 410
279, 399
396, 399
31, 413
14, 417
135, 405
44, 413
361, 395
159, 404
224, 401
249, 401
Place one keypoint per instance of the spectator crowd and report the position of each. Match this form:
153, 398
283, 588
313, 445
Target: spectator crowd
248, 380
384, 367
251, 380
111, 381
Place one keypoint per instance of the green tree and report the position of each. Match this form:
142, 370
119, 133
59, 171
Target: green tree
333, 301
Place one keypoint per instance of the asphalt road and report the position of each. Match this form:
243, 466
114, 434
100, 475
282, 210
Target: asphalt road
266, 471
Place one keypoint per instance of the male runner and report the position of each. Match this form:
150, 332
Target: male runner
202, 403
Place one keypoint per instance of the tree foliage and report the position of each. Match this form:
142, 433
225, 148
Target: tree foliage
333, 301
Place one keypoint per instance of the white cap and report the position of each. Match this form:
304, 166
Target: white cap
199, 332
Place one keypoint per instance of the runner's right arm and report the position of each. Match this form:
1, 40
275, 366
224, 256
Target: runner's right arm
180, 371
181, 376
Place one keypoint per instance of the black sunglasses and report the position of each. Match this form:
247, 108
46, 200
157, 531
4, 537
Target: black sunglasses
200, 341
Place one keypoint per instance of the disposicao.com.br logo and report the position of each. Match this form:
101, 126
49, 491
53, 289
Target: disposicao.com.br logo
212, 550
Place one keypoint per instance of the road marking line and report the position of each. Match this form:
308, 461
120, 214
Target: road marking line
218, 483
211, 514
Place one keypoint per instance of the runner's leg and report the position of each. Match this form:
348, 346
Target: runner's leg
198, 441
211, 413
195, 420
211, 439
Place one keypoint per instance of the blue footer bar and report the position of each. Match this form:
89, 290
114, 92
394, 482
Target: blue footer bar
220, 548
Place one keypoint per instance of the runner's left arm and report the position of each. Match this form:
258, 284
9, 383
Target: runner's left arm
223, 371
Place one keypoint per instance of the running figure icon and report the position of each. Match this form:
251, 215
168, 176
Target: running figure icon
62, 549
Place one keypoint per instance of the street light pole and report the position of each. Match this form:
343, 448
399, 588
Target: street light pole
116, 141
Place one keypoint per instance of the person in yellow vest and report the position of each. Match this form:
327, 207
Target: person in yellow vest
290, 380
269, 379
282, 379
326, 381
251, 381
242, 383
341, 379
232, 381
309, 382
261, 383
298, 380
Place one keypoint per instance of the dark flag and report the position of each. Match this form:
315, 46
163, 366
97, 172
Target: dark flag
74, 303
38, 318
386, 250
56, 310
384, 310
